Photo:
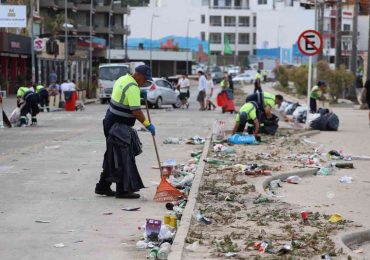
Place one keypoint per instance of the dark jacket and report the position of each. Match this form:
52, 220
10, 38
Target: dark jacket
123, 144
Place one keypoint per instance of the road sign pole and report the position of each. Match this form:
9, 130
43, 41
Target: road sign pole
309, 90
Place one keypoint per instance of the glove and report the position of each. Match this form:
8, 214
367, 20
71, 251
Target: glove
151, 129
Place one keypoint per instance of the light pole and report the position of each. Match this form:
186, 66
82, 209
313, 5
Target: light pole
151, 39
187, 45
65, 41
109, 27
33, 72
90, 45
278, 41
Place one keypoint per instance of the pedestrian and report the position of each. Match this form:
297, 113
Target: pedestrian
202, 88
317, 93
187, 77
367, 87
224, 83
183, 86
65, 86
257, 82
123, 144
209, 94
27, 101
43, 97
264, 75
231, 83
54, 89
246, 114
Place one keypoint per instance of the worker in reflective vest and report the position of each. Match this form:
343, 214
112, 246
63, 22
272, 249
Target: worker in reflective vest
44, 98
28, 101
125, 108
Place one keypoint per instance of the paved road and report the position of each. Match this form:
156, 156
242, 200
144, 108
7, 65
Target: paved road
49, 173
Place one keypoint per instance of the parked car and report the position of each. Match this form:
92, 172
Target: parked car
160, 92
245, 78
216, 74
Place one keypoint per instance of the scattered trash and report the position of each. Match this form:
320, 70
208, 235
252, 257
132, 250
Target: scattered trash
304, 215
214, 161
59, 245
335, 218
223, 148
196, 140
344, 165
261, 246
131, 209
193, 247
174, 140
141, 244
345, 179
54, 147
309, 141
153, 253
242, 139
230, 254
325, 171
152, 229
325, 256
334, 155
261, 199
42, 221
293, 179
164, 251
285, 249
107, 213
203, 219
275, 184
330, 195
169, 162
218, 131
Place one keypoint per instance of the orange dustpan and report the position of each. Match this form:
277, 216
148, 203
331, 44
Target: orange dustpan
165, 191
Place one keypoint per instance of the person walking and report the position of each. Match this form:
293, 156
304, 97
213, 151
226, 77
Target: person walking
317, 93
202, 88
27, 101
257, 82
231, 83
183, 86
123, 144
43, 97
224, 83
367, 87
209, 94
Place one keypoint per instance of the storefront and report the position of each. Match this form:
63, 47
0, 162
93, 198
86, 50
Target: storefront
15, 61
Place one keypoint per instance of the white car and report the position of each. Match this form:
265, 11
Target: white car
244, 78
160, 92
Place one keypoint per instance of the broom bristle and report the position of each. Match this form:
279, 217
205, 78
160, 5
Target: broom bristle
166, 192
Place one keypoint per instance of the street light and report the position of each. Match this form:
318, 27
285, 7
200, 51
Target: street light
151, 39
187, 45
90, 44
109, 25
65, 41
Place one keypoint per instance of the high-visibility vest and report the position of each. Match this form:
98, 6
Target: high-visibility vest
39, 88
125, 97
250, 110
22, 91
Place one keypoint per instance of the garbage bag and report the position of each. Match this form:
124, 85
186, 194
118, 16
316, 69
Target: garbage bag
15, 115
327, 122
290, 109
323, 111
242, 139
271, 125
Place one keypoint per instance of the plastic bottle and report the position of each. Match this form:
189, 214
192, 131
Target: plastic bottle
164, 251
214, 161
153, 253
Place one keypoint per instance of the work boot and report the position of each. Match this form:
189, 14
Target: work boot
107, 191
127, 195
22, 122
34, 121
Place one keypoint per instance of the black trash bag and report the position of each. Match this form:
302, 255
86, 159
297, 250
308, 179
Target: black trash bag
293, 108
327, 122
270, 126
302, 117
323, 111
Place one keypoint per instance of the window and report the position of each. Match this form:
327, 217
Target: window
215, 52
254, 52
215, 3
244, 21
229, 21
205, 2
202, 36
215, 20
238, 4
203, 19
262, 2
254, 38
244, 38
346, 27
215, 38
231, 37
227, 3
254, 21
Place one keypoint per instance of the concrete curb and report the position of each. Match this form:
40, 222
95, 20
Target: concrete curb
309, 133
90, 101
346, 240
178, 245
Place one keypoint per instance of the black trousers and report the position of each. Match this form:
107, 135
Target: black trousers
31, 105
313, 105
44, 99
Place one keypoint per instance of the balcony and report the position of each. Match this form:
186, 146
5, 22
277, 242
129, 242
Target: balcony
101, 29
102, 8
121, 30
49, 4
119, 9
84, 7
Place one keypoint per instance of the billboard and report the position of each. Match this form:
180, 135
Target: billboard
13, 16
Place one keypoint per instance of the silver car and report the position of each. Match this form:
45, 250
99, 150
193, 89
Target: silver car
160, 92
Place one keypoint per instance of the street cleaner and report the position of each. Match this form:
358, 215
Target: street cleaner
122, 141
44, 98
247, 114
27, 101
317, 93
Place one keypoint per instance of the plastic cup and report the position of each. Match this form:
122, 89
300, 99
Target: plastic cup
304, 215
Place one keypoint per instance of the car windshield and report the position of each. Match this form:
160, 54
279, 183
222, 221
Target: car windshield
112, 73
147, 84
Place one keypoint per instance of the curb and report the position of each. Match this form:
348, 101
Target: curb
309, 133
90, 101
347, 240
178, 245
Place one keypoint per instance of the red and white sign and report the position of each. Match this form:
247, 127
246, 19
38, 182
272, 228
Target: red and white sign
39, 44
310, 42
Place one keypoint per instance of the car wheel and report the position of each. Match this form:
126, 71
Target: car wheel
178, 103
158, 104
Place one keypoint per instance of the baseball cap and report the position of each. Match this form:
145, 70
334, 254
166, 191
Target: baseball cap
145, 71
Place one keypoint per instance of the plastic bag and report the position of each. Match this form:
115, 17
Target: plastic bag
218, 131
242, 139
15, 115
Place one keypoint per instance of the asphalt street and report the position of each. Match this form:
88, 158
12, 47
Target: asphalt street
48, 174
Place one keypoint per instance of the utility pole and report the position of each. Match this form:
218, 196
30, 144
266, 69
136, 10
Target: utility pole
65, 40
320, 26
109, 27
338, 35
368, 51
354, 43
90, 45
33, 60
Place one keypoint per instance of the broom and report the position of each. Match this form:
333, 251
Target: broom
5, 117
165, 191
